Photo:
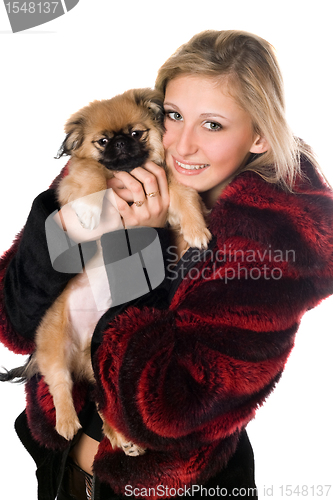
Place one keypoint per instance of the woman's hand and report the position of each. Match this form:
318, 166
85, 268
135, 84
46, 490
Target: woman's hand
148, 185
147, 191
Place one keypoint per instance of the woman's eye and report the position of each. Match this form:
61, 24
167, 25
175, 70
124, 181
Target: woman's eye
213, 126
103, 142
174, 115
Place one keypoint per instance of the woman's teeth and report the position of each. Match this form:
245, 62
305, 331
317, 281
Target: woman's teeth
190, 167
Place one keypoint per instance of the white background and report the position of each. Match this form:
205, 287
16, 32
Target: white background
103, 47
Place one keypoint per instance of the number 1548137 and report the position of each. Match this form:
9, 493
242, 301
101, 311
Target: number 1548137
32, 7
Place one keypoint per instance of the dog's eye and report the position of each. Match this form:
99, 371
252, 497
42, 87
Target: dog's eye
103, 142
137, 133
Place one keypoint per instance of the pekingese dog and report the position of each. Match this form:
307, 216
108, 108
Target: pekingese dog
121, 133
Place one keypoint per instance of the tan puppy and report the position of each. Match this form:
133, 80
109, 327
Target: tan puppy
121, 134
117, 134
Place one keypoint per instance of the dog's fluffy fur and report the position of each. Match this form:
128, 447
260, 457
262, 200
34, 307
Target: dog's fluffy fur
121, 134
117, 134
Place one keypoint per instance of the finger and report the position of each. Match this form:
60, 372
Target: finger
155, 184
152, 177
118, 187
161, 177
147, 179
134, 188
115, 183
132, 215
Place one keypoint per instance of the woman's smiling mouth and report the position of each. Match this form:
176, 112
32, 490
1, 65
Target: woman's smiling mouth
189, 168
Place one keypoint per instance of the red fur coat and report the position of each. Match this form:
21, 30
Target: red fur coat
183, 381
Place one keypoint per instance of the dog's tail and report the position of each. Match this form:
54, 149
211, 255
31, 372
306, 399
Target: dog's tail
21, 373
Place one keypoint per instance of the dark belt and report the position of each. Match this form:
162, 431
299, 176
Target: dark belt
76, 483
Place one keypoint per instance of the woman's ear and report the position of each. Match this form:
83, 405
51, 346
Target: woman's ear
260, 145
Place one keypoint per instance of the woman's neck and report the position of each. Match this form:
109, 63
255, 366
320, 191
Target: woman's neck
210, 197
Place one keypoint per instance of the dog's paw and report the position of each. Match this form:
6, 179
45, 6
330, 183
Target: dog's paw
68, 427
132, 449
197, 238
88, 215
117, 440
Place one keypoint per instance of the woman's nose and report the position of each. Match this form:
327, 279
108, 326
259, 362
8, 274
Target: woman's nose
187, 143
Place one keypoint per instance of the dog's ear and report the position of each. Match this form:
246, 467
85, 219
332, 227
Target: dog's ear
74, 129
152, 100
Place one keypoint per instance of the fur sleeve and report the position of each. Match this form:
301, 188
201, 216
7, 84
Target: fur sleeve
28, 281
196, 373
8, 335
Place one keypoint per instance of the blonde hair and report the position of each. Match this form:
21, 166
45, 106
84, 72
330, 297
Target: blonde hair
248, 65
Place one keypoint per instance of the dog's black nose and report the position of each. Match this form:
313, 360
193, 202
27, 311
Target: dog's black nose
119, 144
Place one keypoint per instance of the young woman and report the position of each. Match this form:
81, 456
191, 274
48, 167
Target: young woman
183, 369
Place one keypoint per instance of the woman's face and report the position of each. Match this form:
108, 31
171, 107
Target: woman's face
208, 136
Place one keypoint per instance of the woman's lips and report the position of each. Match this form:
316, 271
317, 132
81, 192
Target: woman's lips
189, 168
